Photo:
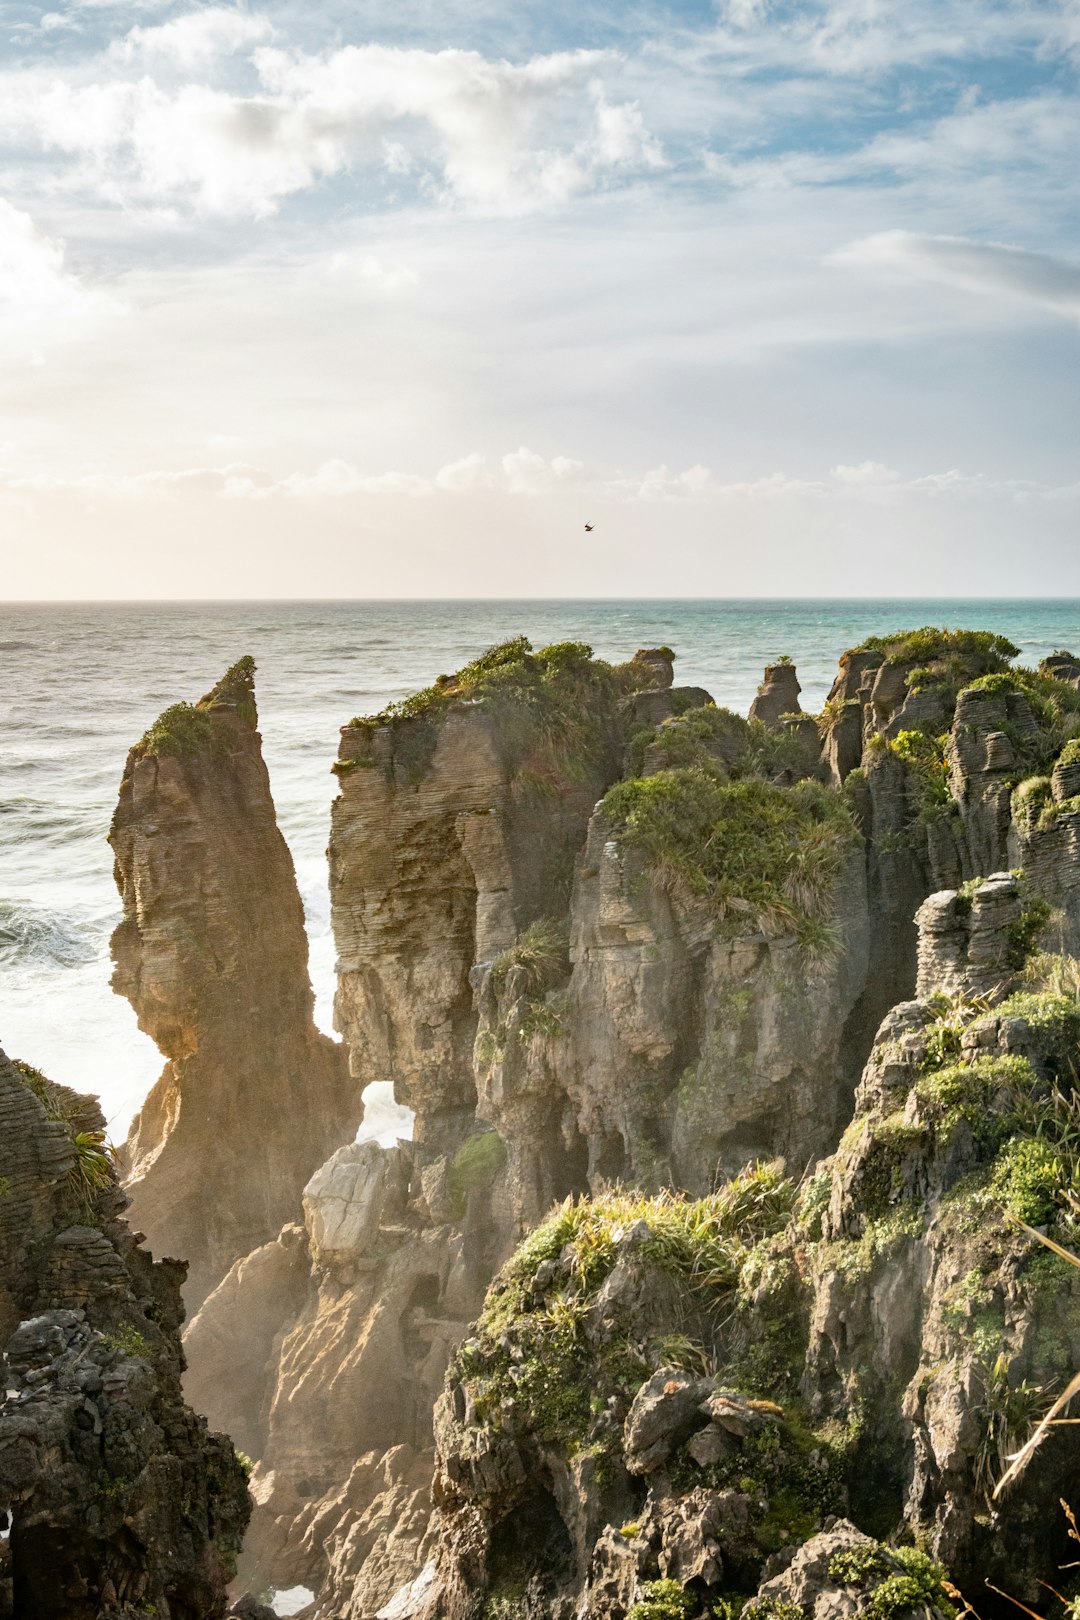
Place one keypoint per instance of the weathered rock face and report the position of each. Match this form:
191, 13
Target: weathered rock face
881, 1339
456, 827
677, 1050
330, 1345
213, 957
120, 1502
941, 747
660, 989
777, 695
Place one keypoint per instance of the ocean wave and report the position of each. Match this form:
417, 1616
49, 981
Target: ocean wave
34, 933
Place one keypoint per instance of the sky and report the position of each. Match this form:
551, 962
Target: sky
781, 296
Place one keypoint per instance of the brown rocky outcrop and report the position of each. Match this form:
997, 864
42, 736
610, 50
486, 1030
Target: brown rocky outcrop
119, 1501
777, 696
676, 1050
212, 955
456, 827
879, 1351
571, 995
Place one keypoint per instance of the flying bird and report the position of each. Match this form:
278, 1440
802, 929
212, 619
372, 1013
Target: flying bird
588, 528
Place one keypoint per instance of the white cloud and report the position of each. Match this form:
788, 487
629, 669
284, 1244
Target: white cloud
986, 267
470, 473
195, 39
39, 299
865, 473
526, 473
493, 135
339, 478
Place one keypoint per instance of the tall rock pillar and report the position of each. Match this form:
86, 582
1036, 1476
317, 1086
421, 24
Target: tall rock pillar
212, 955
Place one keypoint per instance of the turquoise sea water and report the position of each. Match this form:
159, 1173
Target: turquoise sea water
81, 682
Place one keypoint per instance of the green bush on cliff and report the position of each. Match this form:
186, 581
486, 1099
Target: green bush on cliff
700, 1244
1054, 1021
926, 757
551, 706
541, 953
237, 689
182, 730
764, 856
922, 1587
1054, 704
474, 1167
1029, 1178
701, 736
1031, 799
981, 650
662, 1600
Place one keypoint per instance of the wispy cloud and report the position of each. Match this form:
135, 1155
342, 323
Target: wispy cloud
524, 474
193, 40
1035, 279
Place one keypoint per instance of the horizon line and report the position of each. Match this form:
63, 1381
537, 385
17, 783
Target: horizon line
420, 601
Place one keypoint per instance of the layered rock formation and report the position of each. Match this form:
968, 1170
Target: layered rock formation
597, 930
212, 955
118, 1501
684, 1392
558, 1011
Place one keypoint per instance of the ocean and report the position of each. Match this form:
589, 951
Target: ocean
81, 683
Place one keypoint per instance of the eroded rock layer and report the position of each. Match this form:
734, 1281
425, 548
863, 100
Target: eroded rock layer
119, 1501
687, 1392
212, 955
600, 933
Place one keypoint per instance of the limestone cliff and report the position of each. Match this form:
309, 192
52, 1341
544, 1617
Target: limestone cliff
562, 1000
598, 931
664, 1390
118, 1501
212, 955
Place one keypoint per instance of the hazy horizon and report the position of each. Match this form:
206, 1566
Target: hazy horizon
391, 601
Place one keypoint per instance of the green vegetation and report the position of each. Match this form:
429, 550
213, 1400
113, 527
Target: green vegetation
760, 854
1032, 802
864, 1565
92, 1172
552, 707
1027, 1180
237, 689
474, 1167
702, 735
542, 955
1054, 704
183, 730
662, 1600
943, 651
770, 1608
926, 756
1054, 1020
126, 1340
531, 1350
923, 1585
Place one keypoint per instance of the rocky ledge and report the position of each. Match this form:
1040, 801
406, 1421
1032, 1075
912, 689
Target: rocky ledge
118, 1503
